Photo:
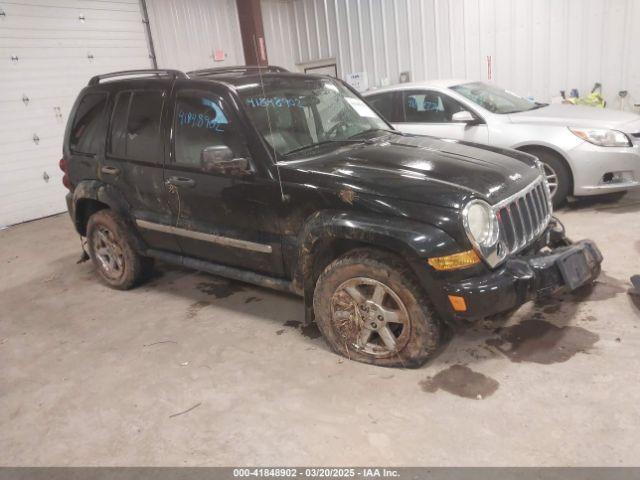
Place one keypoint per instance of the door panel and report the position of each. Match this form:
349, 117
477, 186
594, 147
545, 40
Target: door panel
134, 160
429, 112
225, 217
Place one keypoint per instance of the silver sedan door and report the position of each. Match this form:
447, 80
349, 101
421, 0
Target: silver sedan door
429, 112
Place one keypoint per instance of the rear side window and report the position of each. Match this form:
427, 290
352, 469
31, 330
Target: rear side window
383, 103
87, 132
135, 126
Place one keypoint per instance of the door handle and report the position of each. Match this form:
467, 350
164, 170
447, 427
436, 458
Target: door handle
181, 181
110, 170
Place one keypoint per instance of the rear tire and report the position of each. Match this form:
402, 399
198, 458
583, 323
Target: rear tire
112, 251
370, 307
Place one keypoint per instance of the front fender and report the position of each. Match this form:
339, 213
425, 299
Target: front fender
405, 237
410, 239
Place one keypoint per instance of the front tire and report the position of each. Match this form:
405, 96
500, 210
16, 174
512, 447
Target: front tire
370, 308
112, 251
558, 176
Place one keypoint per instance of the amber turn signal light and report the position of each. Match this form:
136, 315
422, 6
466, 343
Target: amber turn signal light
455, 261
458, 303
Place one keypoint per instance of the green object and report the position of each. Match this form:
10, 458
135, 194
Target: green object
594, 99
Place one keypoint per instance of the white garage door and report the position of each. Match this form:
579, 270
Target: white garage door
48, 51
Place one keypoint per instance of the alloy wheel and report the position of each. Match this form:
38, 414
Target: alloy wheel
108, 252
552, 179
370, 317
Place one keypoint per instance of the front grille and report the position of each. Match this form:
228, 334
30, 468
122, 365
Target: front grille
524, 216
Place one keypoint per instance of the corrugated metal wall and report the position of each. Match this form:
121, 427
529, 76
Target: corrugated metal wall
537, 47
186, 34
279, 33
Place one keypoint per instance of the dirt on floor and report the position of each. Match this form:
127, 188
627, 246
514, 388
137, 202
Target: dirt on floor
191, 369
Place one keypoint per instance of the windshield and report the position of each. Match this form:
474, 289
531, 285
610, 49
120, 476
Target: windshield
495, 99
305, 112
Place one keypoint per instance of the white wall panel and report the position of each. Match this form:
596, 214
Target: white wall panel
537, 47
186, 33
59, 45
277, 23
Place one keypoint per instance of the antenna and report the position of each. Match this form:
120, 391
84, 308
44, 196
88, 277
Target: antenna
275, 152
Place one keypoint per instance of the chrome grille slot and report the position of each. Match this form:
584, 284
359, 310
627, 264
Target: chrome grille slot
531, 203
523, 216
509, 234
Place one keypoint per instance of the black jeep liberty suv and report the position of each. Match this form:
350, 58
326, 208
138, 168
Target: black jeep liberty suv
293, 182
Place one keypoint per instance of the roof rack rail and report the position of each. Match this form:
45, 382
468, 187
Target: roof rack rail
237, 69
127, 73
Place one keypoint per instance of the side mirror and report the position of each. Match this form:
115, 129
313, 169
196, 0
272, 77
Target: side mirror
219, 159
464, 116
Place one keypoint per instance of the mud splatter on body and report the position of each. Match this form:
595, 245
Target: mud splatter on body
462, 381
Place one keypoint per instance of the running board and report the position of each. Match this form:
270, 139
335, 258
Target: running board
224, 271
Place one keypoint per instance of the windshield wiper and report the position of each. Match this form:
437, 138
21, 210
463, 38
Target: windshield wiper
324, 142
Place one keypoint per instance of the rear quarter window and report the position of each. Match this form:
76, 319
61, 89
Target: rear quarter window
88, 127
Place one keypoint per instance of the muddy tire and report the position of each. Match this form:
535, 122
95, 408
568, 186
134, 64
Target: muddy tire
112, 251
370, 308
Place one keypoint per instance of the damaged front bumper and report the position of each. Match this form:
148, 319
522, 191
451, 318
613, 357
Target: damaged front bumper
525, 278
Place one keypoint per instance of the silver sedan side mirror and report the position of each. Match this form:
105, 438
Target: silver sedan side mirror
463, 116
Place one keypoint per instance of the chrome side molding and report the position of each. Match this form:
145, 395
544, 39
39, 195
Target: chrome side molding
205, 237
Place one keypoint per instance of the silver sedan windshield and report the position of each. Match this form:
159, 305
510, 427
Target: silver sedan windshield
495, 99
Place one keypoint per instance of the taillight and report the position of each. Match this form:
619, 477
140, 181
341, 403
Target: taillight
64, 165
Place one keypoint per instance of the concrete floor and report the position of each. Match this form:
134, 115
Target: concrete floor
92, 376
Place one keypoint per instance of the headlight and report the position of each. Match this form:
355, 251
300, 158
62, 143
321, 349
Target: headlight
602, 137
481, 224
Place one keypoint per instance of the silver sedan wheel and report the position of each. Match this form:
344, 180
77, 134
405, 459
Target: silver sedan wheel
552, 179
108, 252
370, 317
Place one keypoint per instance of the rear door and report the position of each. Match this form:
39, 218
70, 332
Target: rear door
134, 159
224, 217
429, 112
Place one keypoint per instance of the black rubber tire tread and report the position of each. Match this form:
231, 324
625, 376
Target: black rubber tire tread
136, 267
562, 171
425, 335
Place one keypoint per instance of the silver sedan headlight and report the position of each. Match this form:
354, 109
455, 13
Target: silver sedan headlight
602, 137
481, 225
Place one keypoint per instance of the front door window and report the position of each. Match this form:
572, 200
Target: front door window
203, 123
428, 106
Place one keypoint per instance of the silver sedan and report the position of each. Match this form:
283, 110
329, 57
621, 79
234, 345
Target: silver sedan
585, 150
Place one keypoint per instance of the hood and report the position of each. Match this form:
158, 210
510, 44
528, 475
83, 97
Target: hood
579, 116
416, 168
